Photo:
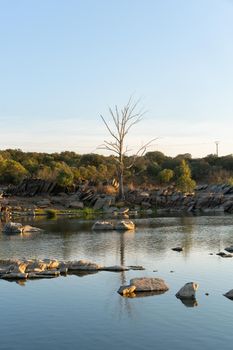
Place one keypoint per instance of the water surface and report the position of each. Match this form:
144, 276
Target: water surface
87, 313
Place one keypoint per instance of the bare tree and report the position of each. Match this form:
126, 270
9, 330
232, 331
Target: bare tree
122, 122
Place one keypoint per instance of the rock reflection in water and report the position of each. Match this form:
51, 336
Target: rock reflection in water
189, 302
142, 294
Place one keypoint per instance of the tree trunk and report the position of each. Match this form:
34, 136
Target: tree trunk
121, 193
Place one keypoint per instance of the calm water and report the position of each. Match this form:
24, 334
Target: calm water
87, 313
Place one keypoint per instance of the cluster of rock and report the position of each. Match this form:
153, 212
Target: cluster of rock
17, 269
206, 198
156, 286
122, 225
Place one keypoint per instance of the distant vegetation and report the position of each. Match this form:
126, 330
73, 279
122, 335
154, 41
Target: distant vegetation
154, 168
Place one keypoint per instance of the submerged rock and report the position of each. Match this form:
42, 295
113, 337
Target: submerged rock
84, 265
188, 291
145, 284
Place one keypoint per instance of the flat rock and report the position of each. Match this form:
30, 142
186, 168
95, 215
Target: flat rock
83, 265
145, 284
103, 225
116, 268
224, 255
15, 276
28, 228
188, 291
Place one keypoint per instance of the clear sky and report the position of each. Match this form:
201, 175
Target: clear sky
63, 62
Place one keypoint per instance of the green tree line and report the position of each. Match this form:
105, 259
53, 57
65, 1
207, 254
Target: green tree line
154, 168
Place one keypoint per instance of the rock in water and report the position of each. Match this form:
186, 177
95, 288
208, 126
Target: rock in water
124, 290
188, 291
13, 228
28, 228
116, 268
145, 284
125, 225
178, 249
83, 265
103, 225
224, 255
229, 294
229, 249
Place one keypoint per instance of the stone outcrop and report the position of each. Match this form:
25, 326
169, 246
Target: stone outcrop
188, 291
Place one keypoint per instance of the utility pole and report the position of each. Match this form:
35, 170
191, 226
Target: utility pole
217, 144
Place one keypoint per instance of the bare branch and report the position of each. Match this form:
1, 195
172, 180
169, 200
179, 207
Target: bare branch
141, 151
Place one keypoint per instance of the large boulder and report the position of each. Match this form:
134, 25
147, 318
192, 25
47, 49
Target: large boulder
103, 225
13, 228
124, 225
145, 284
188, 291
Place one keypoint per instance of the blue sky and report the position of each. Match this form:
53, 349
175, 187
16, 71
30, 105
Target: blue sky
63, 62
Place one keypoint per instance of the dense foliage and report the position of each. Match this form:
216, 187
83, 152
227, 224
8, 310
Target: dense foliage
154, 168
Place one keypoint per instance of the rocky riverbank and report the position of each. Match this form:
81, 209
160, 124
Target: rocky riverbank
86, 200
